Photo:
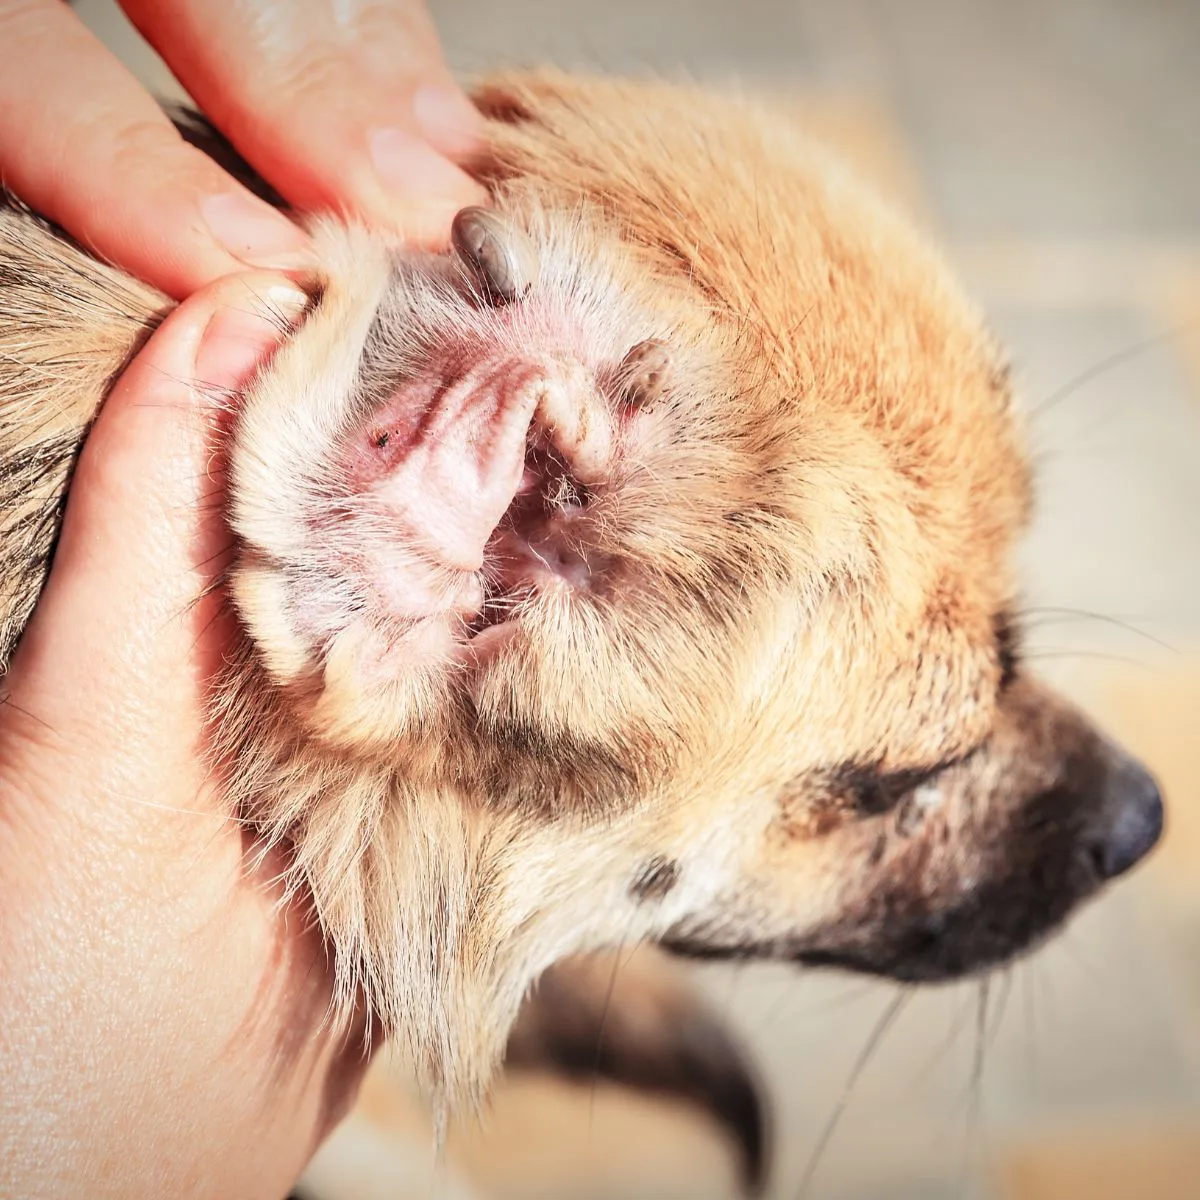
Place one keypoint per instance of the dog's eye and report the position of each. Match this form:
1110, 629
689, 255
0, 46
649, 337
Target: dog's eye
873, 793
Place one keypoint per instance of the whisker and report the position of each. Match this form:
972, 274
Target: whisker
882, 1025
1105, 365
221, 552
975, 1097
1006, 983
1030, 1039
946, 1044
7, 701
224, 609
789, 997
608, 997
222, 818
1101, 655
1052, 615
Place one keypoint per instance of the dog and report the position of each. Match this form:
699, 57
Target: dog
637, 570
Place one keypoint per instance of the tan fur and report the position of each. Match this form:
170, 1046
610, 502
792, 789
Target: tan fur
803, 558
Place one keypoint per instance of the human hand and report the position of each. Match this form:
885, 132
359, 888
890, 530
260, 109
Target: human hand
163, 1027
344, 106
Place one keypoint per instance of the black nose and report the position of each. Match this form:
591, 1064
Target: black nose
1130, 821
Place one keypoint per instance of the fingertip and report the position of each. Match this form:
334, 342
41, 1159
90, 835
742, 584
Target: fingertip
254, 233
448, 120
146, 466
208, 346
249, 316
167, 214
200, 227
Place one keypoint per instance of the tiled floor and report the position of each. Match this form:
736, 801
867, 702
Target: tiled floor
1055, 146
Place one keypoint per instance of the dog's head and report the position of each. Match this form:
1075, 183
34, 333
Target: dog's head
653, 551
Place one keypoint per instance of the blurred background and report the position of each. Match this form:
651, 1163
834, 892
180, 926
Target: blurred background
1053, 146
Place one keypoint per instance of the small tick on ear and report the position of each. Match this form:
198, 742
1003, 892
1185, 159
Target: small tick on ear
498, 255
381, 439
643, 373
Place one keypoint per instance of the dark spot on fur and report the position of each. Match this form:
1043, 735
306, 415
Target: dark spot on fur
806, 810
523, 765
497, 103
1000, 379
655, 879
694, 947
820, 802
877, 850
1007, 637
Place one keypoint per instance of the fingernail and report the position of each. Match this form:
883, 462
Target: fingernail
414, 172
255, 233
241, 331
448, 119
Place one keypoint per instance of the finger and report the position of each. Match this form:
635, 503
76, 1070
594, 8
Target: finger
129, 607
85, 145
348, 106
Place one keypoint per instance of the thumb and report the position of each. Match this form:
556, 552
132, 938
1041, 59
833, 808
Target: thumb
122, 640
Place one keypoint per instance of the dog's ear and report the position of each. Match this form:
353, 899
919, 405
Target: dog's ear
632, 1018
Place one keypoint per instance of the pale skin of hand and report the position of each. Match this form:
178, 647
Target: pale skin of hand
163, 1029
164, 1020
342, 105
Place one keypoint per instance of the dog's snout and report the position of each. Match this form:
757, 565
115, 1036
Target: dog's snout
1130, 820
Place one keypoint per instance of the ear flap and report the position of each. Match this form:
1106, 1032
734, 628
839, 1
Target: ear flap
634, 1020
